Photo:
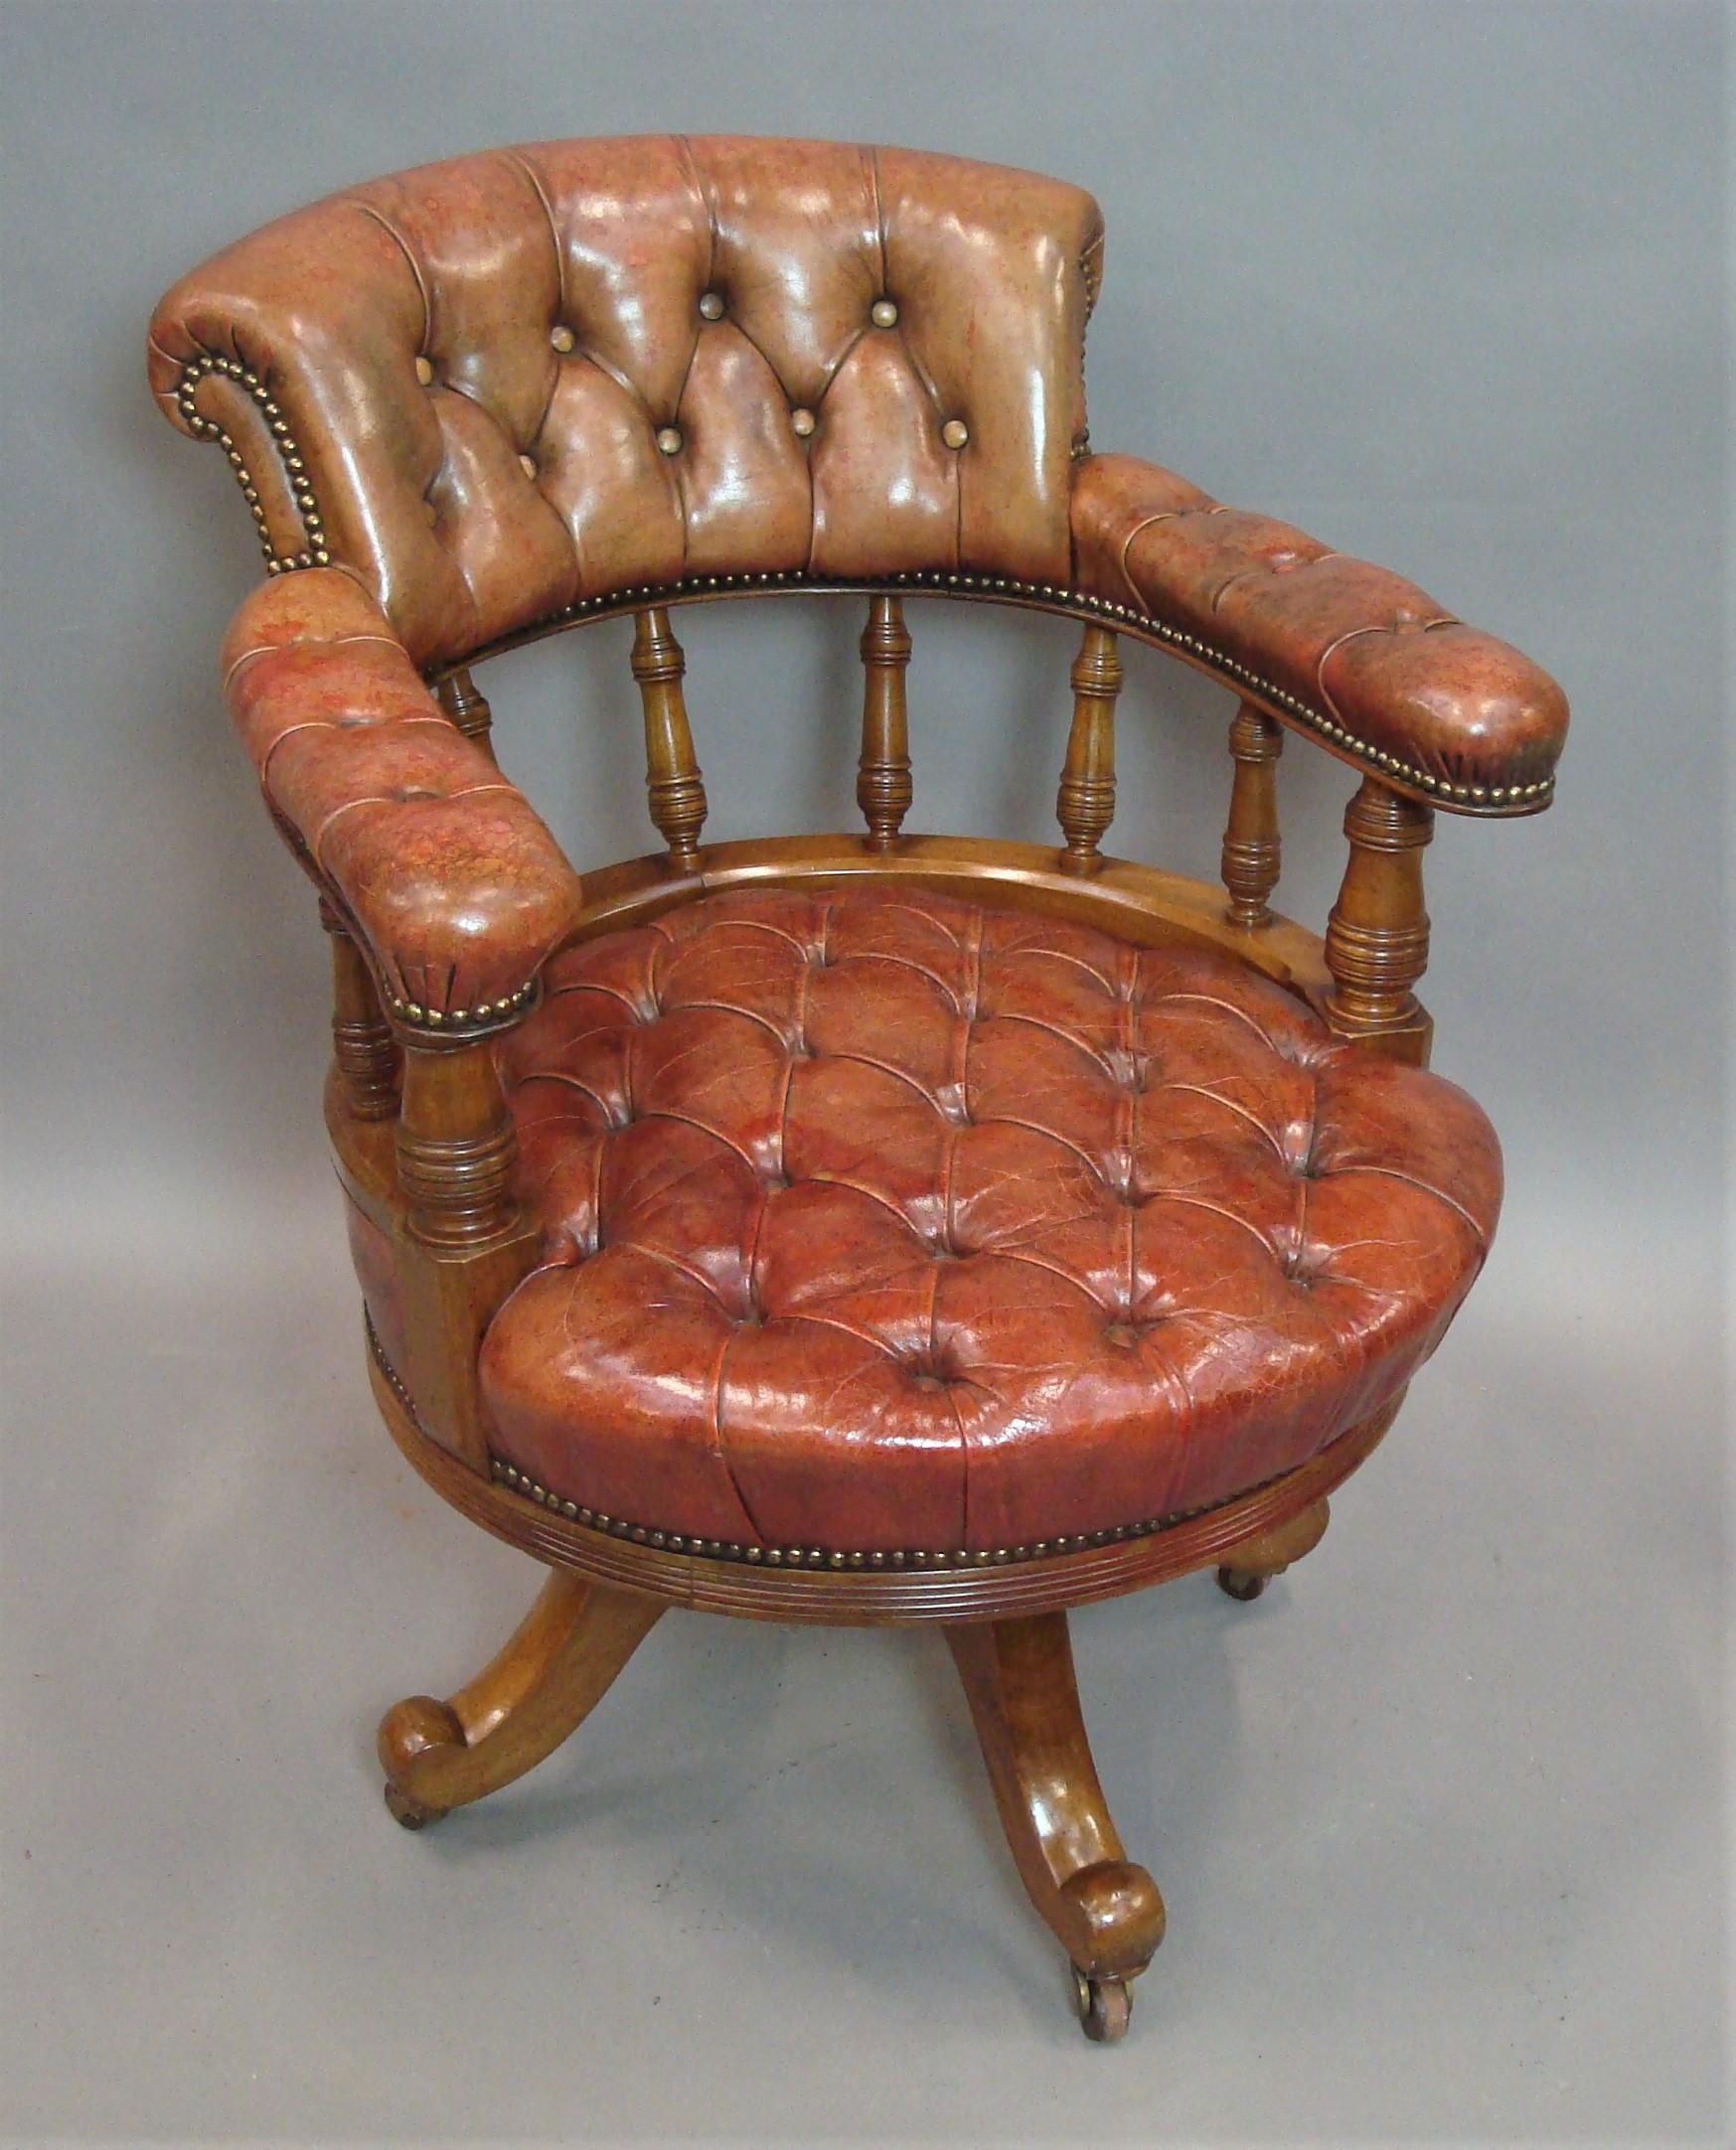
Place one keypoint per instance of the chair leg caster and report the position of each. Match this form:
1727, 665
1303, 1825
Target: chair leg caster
1257, 1559
1238, 1583
407, 1811
1105, 2007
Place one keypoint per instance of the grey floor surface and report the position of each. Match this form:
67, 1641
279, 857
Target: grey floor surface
1438, 1820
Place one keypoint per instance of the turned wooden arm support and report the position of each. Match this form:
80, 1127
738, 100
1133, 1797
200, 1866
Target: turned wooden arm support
1434, 712
1358, 659
444, 894
452, 885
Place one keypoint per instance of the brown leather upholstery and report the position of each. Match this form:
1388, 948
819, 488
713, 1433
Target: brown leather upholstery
519, 379
1358, 648
508, 388
456, 887
878, 1221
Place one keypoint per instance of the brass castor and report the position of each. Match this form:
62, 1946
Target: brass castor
1257, 1559
408, 1811
1238, 1583
1105, 2007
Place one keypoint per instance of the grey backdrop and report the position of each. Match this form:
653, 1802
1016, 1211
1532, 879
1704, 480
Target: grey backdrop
1442, 1821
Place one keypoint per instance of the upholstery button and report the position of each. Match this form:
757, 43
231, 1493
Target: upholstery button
884, 314
425, 371
528, 465
955, 432
711, 305
802, 422
669, 441
561, 337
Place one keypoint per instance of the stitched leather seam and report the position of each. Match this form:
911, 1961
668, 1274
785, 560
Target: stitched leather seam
1198, 1201
1409, 1179
516, 157
403, 247
721, 1444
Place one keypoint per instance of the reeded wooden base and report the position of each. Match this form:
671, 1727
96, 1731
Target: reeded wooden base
517, 1711
1105, 1912
1251, 1566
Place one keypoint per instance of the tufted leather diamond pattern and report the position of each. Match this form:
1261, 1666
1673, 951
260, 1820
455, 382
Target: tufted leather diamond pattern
499, 391
1373, 658
521, 379
878, 1220
455, 883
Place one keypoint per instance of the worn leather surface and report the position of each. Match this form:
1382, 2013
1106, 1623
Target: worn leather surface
879, 1221
498, 387
1373, 652
454, 884
570, 302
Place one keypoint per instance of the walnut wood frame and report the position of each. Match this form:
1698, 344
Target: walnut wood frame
424, 1143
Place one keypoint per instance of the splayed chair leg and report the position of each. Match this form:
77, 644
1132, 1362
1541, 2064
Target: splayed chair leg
517, 1711
1106, 1913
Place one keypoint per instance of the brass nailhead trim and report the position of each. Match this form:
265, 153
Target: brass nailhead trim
772, 1556
445, 1020
669, 441
948, 582
315, 553
792, 1556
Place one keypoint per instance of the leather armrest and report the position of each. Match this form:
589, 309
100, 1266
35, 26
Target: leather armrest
454, 884
1362, 658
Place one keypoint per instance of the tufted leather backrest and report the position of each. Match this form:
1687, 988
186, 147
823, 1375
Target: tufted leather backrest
500, 384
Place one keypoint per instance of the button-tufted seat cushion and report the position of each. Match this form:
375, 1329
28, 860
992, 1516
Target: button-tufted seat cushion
879, 1221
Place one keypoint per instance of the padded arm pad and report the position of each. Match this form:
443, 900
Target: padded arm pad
1362, 658
456, 885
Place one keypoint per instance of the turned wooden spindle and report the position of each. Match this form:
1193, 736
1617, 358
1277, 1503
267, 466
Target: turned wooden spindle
455, 1147
362, 1041
1251, 854
883, 783
1085, 803
465, 1244
672, 774
1378, 936
467, 706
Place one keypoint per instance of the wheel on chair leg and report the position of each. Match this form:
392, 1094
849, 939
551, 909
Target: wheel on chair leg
1238, 1583
1105, 2006
409, 1812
